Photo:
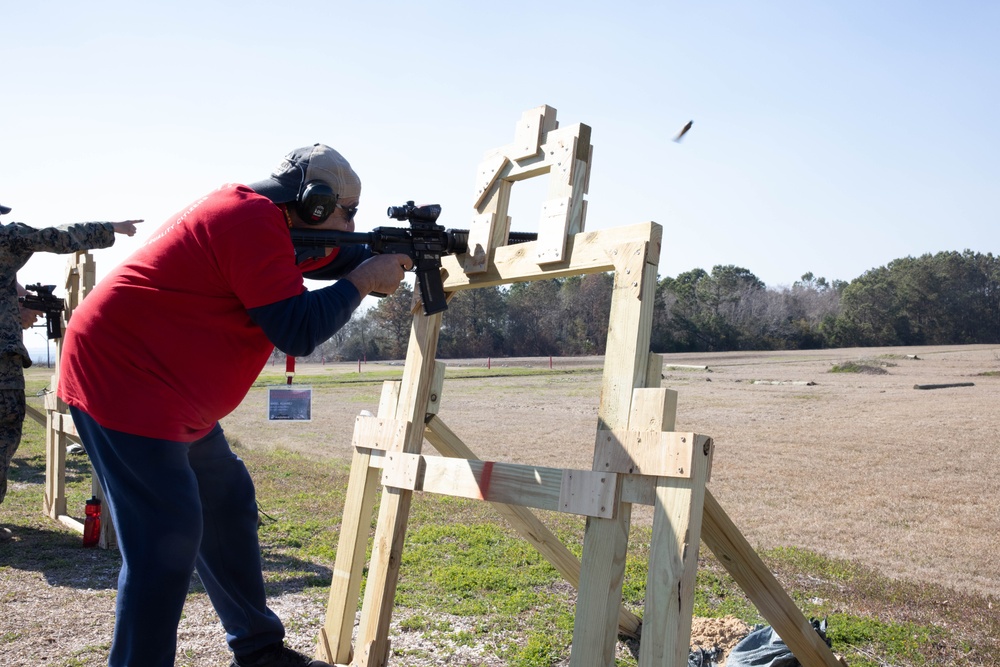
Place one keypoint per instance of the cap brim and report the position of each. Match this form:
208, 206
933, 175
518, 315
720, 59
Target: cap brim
4, 210
275, 190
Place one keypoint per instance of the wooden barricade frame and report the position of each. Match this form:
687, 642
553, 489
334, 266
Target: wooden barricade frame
637, 456
81, 276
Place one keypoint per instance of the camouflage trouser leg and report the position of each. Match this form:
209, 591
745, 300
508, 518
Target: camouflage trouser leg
11, 413
11, 419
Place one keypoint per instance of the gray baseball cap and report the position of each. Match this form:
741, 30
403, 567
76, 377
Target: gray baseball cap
311, 163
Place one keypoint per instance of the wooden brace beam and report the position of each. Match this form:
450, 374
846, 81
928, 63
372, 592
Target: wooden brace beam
581, 492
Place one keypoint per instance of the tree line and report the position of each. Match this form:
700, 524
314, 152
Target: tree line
944, 298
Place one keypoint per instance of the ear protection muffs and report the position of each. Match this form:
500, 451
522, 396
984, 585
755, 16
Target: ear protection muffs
315, 202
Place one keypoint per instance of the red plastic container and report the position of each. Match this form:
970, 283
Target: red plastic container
92, 523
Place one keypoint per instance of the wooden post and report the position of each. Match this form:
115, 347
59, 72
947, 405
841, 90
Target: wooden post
55, 459
606, 540
81, 276
383, 573
79, 270
335, 637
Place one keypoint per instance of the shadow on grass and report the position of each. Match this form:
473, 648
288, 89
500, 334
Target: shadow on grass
286, 574
42, 545
60, 557
63, 561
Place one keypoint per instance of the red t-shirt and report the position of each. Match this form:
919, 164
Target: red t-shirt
163, 347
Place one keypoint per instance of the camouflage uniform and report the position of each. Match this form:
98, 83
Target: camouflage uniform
17, 243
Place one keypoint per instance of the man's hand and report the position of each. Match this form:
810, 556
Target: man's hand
126, 227
381, 273
28, 317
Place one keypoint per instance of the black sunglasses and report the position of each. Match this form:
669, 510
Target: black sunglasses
349, 211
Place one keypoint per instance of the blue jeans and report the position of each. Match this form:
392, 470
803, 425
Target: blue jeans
178, 506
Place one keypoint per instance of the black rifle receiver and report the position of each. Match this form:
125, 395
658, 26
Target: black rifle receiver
44, 301
424, 241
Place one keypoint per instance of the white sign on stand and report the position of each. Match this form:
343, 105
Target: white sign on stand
289, 404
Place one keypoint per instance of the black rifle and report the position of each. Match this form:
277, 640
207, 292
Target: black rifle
424, 241
45, 302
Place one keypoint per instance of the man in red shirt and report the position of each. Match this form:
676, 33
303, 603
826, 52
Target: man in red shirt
169, 343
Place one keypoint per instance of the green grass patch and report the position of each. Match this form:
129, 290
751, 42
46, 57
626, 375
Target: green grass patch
859, 367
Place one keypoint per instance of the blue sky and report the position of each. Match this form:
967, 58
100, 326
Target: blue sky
828, 137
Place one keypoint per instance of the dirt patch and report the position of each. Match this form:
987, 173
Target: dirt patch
722, 633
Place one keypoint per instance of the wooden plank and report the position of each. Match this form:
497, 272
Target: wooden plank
383, 575
534, 124
570, 176
394, 508
587, 252
673, 562
378, 432
553, 229
55, 470
606, 540
602, 573
496, 482
741, 561
526, 523
650, 410
657, 453
490, 227
489, 171
80, 278
629, 330
404, 471
653, 409
345, 588
636, 489
572, 491
654, 379
64, 424
588, 493
479, 243
334, 643
70, 523
35, 414
564, 202
436, 388
389, 398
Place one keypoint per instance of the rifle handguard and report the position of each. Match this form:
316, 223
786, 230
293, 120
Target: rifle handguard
424, 241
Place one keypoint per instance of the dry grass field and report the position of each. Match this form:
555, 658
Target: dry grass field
860, 466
